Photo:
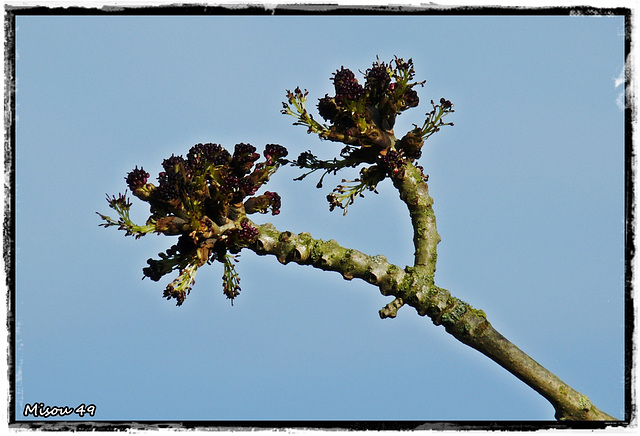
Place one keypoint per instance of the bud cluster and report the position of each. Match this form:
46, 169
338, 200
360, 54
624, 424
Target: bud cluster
346, 85
393, 163
362, 116
137, 178
204, 199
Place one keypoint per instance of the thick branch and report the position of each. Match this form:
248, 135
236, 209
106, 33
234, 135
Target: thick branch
413, 287
414, 192
475, 331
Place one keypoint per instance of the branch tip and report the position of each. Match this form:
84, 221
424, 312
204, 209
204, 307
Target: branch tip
391, 309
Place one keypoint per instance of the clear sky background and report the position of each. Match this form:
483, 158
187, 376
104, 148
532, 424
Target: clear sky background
528, 188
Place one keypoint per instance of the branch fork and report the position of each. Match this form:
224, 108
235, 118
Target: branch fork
206, 197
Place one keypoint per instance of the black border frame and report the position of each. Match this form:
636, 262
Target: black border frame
9, 244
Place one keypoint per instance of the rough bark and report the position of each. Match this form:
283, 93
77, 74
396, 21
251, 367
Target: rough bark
414, 286
465, 323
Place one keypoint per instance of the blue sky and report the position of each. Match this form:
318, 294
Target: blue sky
528, 188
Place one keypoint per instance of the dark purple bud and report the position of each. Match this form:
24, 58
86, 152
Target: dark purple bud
155, 270
275, 202
247, 187
230, 183
204, 154
246, 234
262, 203
137, 178
273, 152
393, 163
346, 85
304, 159
245, 152
411, 98
170, 293
244, 156
349, 91
170, 164
446, 104
377, 82
327, 108
343, 75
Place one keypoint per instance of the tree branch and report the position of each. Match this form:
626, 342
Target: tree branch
414, 286
476, 331
414, 192
205, 199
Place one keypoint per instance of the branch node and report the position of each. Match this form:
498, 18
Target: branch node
391, 309
284, 236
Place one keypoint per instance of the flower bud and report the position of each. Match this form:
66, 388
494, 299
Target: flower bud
377, 82
273, 152
410, 99
244, 156
411, 145
346, 85
327, 108
446, 104
137, 178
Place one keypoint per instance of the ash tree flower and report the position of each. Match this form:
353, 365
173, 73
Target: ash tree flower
204, 199
137, 178
362, 117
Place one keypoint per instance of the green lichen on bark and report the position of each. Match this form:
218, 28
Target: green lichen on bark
454, 311
479, 313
